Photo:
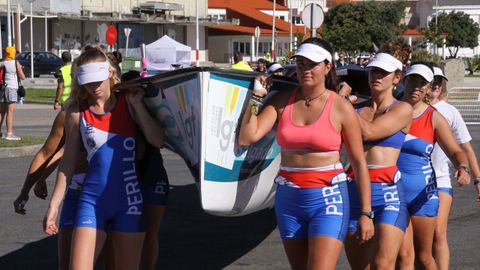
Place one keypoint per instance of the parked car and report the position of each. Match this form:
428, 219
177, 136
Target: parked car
43, 63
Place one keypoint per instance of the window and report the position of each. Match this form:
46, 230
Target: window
243, 47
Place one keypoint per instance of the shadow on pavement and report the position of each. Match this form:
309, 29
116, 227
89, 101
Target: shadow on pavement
189, 238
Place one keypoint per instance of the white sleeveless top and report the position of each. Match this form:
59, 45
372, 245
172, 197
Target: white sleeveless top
10, 74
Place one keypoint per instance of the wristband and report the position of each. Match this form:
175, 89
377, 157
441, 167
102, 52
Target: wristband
476, 181
56, 100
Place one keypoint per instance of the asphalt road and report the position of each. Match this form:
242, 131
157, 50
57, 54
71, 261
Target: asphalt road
190, 239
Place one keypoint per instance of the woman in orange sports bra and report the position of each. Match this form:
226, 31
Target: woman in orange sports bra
311, 203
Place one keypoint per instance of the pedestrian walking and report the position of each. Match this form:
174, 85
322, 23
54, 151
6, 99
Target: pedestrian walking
13, 72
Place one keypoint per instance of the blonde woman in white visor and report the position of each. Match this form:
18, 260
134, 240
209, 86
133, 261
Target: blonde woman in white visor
418, 177
312, 203
104, 123
442, 166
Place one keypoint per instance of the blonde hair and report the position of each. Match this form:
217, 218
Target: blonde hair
92, 54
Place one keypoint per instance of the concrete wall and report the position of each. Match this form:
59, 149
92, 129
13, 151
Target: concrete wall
455, 72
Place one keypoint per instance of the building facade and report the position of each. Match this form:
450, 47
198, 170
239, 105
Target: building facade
72, 24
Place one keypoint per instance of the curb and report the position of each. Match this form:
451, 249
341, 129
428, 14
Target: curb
23, 151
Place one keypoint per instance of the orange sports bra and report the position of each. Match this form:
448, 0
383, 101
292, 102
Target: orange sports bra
320, 136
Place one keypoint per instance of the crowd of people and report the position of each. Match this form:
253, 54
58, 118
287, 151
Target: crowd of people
388, 205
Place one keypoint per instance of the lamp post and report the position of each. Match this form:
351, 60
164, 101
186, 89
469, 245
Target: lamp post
9, 24
46, 29
197, 39
127, 31
31, 37
273, 31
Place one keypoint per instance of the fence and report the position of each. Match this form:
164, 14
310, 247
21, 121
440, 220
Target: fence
467, 101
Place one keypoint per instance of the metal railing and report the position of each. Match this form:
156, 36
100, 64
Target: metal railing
467, 101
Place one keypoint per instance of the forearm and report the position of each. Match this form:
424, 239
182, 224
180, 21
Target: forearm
459, 157
58, 190
248, 128
36, 171
152, 130
366, 127
59, 92
472, 158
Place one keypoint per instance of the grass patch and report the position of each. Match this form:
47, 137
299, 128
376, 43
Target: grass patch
25, 141
473, 76
40, 95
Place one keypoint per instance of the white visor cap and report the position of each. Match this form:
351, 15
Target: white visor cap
438, 72
274, 68
386, 62
313, 52
93, 72
422, 70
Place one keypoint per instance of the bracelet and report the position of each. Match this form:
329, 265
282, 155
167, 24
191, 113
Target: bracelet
56, 100
465, 167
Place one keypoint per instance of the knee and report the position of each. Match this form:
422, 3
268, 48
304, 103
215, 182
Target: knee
406, 255
424, 260
382, 262
440, 239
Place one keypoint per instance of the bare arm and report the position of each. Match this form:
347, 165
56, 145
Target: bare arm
353, 143
382, 126
449, 145
151, 129
254, 127
20, 72
473, 162
66, 169
58, 94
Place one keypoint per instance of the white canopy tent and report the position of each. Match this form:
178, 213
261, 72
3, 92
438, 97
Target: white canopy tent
165, 52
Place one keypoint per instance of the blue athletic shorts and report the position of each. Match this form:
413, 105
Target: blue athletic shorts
69, 209
155, 185
306, 212
421, 194
388, 204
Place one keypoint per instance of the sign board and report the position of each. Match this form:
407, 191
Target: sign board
111, 35
312, 16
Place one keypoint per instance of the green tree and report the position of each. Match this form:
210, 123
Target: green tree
353, 27
461, 30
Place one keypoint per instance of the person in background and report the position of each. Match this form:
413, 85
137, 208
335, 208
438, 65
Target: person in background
311, 202
385, 122
360, 62
261, 66
239, 63
64, 82
442, 166
418, 177
155, 190
341, 62
276, 69
13, 72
